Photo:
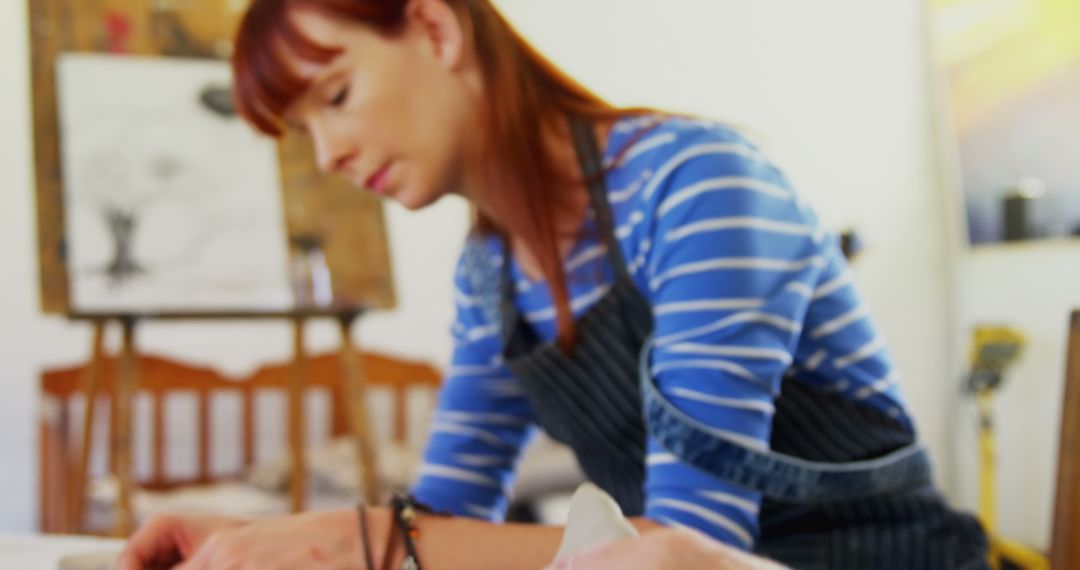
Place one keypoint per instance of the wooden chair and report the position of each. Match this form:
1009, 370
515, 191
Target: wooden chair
1065, 543
160, 379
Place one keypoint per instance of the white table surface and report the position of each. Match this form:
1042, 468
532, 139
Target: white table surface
43, 552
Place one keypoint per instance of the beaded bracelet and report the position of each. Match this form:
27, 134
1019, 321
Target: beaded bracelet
405, 514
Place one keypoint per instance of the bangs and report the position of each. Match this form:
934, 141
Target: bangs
267, 46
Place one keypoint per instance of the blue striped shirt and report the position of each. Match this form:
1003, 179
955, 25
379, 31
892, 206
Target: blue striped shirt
744, 285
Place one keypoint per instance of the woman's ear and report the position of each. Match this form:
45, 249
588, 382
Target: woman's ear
442, 29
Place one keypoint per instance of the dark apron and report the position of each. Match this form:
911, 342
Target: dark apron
843, 485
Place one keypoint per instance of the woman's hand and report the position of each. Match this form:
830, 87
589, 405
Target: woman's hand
323, 540
165, 540
662, 549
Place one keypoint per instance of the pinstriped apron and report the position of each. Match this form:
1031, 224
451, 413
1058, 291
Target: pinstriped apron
843, 485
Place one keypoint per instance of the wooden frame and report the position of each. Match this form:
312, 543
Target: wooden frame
1065, 543
61, 455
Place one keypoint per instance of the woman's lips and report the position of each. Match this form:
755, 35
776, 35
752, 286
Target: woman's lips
377, 182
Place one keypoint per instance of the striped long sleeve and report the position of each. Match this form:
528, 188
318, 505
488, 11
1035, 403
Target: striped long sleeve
482, 421
733, 257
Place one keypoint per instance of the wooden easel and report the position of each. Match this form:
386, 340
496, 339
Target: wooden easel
127, 381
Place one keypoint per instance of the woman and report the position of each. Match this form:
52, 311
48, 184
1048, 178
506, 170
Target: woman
767, 414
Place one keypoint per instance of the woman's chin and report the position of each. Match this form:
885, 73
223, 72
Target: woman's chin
416, 196
411, 201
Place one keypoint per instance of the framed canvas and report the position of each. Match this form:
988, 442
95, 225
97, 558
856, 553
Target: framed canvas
1012, 74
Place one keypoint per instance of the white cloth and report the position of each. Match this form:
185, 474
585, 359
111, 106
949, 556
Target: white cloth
595, 519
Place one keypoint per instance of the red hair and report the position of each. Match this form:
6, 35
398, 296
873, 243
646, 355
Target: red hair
526, 95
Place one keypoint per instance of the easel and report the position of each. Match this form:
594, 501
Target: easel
350, 223
127, 381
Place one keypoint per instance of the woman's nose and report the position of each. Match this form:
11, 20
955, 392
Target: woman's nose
331, 155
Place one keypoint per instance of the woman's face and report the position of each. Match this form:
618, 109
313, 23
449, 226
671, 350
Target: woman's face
393, 114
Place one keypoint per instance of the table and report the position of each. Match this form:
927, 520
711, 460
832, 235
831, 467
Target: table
127, 381
43, 552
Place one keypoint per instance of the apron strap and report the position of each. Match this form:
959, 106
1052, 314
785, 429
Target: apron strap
777, 476
592, 168
591, 163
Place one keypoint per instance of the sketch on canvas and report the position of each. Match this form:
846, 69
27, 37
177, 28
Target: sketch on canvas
172, 202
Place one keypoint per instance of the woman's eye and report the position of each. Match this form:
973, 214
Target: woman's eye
339, 97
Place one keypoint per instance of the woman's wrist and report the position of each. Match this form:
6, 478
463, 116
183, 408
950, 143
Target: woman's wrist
384, 549
340, 529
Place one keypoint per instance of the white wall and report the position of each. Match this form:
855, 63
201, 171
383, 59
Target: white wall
1032, 287
842, 106
16, 285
